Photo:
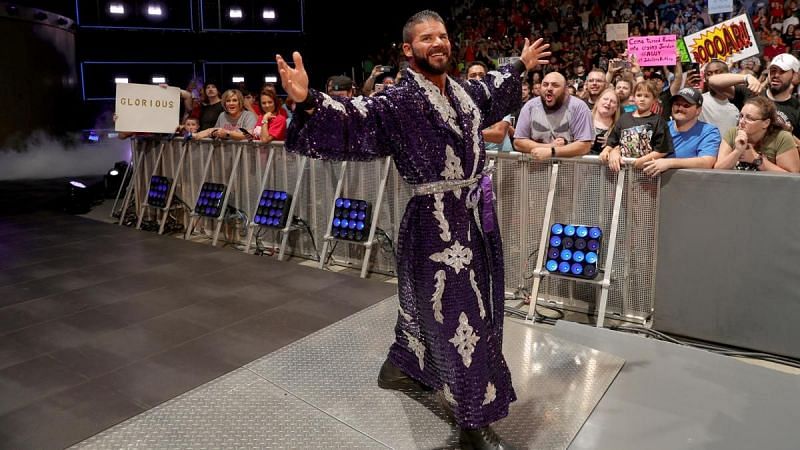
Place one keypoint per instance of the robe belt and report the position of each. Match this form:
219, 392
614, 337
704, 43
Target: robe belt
480, 190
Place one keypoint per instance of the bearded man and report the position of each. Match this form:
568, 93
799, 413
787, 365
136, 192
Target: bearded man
449, 330
555, 124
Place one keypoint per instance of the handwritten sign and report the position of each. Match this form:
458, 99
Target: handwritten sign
730, 41
653, 50
720, 6
616, 32
147, 108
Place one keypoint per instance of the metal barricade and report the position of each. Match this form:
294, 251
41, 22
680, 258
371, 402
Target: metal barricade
584, 193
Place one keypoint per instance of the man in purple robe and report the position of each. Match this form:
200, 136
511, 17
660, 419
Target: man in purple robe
449, 256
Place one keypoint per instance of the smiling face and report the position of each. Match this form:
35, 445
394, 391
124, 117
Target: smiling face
267, 103
233, 102
429, 49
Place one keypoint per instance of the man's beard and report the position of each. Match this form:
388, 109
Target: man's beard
421, 61
779, 89
558, 102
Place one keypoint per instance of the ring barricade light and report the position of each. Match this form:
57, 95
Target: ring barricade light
574, 250
351, 219
273, 209
209, 203
159, 188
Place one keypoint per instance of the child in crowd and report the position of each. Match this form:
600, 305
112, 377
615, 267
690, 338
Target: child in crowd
640, 134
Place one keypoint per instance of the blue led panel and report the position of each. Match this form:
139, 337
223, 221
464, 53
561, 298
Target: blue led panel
574, 250
351, 219
159, 188
210, 202
273, 209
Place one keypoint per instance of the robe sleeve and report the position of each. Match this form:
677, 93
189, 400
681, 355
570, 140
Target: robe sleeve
353, 129
498, 94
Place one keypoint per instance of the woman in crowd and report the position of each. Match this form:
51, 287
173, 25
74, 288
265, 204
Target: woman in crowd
272, 124
232, 120
759, 142
604, 115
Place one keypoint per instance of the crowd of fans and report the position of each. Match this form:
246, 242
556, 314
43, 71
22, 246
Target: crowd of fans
592, 97
595, 98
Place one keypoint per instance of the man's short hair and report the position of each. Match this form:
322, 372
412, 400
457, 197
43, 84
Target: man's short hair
340, 83
422, 16
478, 63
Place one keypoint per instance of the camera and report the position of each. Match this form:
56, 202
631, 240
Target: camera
386, 69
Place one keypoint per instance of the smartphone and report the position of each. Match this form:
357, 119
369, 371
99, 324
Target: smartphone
687, 66
386, 69
247, 133
379, 87
625, 64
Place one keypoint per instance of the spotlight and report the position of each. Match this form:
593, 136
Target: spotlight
210, 202
573, 250
117, 9
12, 10
79, 199
270, 79
113, 179
92, 136
273, 209
237, 79
157, 79
351, 219
118, 80
235, 12
268, 14
159, 189
154, 10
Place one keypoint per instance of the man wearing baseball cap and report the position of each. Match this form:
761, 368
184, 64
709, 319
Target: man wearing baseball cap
696, 143
782, 69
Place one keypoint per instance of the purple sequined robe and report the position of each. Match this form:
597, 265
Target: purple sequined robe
450, 323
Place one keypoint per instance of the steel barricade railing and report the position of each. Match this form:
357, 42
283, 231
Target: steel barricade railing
584, 193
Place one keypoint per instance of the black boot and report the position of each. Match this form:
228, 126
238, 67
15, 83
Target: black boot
391, 377
482, 439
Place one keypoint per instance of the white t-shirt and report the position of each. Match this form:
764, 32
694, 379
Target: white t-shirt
721, 113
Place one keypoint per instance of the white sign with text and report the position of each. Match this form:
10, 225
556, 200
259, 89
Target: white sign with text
720, 6
147, 108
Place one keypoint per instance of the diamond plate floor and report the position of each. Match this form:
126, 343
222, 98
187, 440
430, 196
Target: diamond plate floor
320, 392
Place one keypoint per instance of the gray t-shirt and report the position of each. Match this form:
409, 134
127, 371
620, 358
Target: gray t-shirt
573, 122
721, 113
247, 120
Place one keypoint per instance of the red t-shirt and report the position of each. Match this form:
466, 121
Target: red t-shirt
276, 127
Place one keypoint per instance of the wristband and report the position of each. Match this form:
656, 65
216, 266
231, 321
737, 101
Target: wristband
306, 104
552, 152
